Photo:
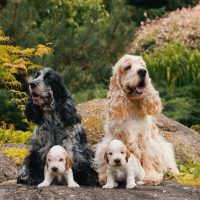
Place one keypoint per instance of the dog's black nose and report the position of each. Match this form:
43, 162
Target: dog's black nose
142, 72
54, 169
117, 161
33, 85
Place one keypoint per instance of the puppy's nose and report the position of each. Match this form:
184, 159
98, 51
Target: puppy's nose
54, 169
33, 85
117, 161
142, 72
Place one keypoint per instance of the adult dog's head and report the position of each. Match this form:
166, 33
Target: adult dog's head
44, 87
130, 85
47, 92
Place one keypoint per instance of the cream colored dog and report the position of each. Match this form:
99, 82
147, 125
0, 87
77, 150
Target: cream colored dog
132, 108
122, 166
58, 164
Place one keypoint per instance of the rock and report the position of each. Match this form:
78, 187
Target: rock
186, 141
167, 190
8, 169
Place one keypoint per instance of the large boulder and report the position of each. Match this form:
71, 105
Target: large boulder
186, 141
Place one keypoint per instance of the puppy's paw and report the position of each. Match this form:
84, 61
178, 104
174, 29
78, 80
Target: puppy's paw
140, 182
73, 184
130, 185
108, 186
43, 184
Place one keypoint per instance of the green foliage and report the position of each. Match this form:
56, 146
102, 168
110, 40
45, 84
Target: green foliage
9, 135
9, 111
87, 36
189, 173
155, 9
15, 62
17, 154
176, 71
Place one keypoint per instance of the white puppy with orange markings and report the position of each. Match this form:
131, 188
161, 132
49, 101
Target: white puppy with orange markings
58, 164
122, 166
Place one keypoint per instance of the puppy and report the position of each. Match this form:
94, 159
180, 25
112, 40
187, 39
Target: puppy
122, 166
58, 164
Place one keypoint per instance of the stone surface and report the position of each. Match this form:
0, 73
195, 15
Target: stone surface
167, 191
186, 141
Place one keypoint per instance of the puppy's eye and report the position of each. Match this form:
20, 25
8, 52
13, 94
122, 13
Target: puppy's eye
127, 68
110, 153
61, 160
122, 152
49, 159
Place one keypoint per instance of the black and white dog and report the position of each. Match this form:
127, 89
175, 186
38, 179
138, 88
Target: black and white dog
51, 107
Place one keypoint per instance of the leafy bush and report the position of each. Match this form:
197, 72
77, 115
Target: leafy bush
175, 69
171, 49
9, 111
9, 135
17, 154
189, 173
87, 36
15, 62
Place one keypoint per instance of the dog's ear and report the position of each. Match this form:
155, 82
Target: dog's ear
69, 162
33, 112
46, 163
127, 155
151, 103
106, 157
117, 104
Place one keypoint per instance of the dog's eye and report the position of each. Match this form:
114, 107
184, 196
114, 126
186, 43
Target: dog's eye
127, 68
49, 159
61, 160
38, 74
110, 153
122, 152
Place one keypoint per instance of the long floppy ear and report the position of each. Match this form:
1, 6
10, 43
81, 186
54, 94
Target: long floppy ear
46, 163
69, 162
106, 157
151, 103
33, 112
127, 155
64, 104
118, 103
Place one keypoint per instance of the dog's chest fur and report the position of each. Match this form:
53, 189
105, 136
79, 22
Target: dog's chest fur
52, 131
120, 173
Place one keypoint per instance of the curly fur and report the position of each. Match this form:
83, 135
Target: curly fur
51, 107
132, 106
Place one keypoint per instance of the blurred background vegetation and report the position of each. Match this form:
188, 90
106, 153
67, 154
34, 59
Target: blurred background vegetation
88, 36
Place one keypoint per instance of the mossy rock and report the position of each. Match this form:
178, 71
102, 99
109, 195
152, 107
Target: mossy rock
186, 141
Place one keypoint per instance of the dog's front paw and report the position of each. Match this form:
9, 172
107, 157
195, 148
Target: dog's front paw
130, 185
140, 182
108, 186
74, 184
43, 184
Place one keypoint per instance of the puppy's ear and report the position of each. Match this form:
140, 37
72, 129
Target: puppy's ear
127, 155
68, 162
46, 163
106, 157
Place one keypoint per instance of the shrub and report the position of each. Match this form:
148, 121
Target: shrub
171, 48
17, 154
189, 173
9, 135
175, 69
